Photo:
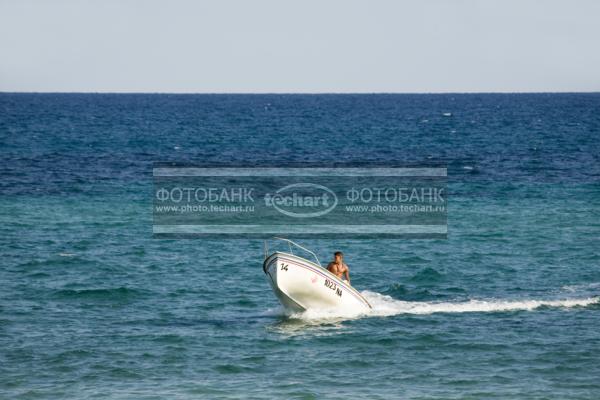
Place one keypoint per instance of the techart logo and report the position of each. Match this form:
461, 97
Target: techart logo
302, 200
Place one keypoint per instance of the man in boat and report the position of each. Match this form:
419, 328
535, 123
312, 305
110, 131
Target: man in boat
338, 268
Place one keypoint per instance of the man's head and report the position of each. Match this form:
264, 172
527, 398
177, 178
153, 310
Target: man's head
338, 256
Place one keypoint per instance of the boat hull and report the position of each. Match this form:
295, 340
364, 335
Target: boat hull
301, 285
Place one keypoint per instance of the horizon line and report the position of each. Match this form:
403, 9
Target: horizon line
301, 93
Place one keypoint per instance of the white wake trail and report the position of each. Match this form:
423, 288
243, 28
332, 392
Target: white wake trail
385, 305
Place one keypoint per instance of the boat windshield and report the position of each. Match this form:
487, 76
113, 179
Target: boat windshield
291, 247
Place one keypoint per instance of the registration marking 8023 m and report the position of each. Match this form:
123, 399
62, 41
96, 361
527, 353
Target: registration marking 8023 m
333, 286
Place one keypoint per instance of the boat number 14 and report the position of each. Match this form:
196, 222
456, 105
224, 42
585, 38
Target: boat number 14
332, 285
284, 267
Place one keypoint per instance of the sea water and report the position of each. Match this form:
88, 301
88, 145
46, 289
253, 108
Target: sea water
91, 306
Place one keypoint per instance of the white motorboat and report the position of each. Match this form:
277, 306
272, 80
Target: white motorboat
300, 284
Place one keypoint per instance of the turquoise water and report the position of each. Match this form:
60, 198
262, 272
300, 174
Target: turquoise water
92, 306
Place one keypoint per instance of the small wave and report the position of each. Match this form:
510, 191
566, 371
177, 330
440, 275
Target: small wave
413, 260
470, 169
586, 286
232, 369
119, 293
269, 312
427, 275
408, 293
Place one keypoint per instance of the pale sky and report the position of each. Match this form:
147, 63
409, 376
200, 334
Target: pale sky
241, 46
